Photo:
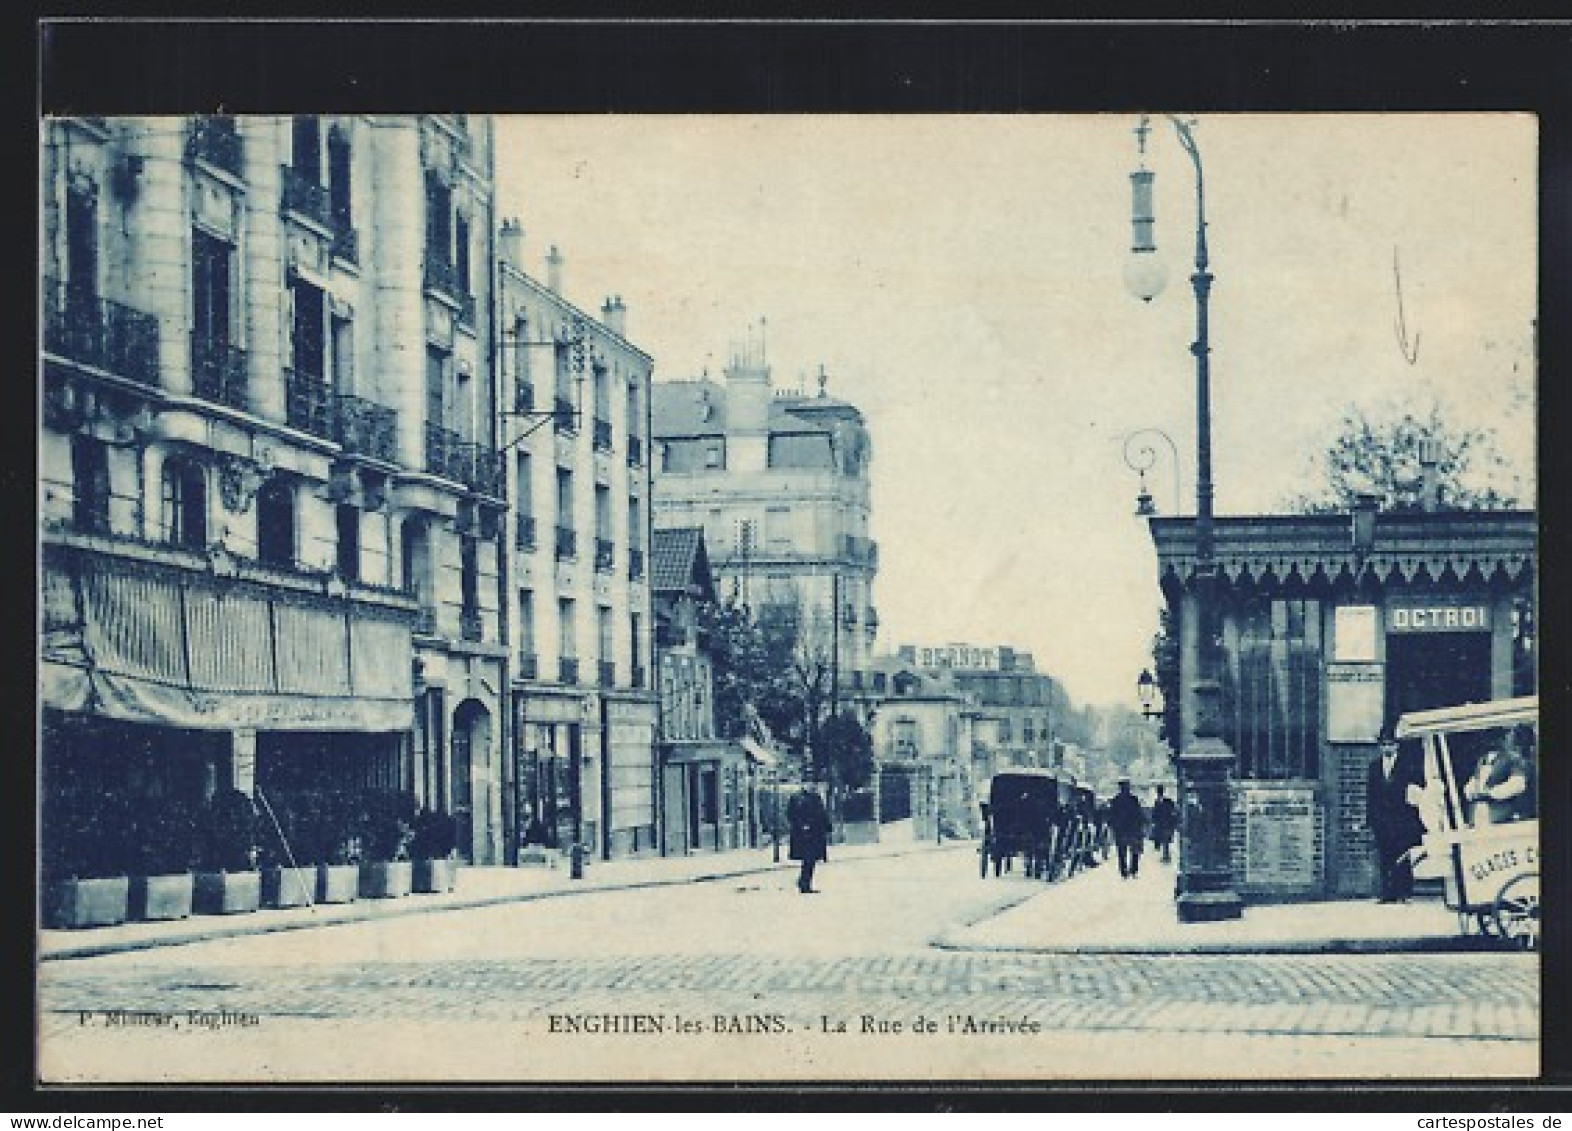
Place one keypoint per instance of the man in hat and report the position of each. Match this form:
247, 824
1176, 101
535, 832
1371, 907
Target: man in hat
1128, 822
810, 833
1392, 817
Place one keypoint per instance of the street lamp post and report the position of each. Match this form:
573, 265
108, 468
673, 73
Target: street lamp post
1205, 761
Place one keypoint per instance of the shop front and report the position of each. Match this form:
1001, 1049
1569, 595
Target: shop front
1331, 627
708, 795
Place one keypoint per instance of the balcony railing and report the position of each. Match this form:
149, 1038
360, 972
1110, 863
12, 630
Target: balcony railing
366, 428
218, 372
524, 536
568, 670
605, 555
346, 241
608, 673
529, 666
216, 141
565, 419
567, 544
305, 196
441, 276
308, 403
635, 564
635, 451
471, 626
602, 439
478, 467
523, 396
89, 330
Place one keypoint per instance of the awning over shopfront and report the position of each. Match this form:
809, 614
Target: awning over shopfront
700, 750
180, 649
759, 753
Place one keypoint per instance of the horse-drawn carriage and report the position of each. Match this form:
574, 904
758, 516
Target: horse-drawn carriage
1044, 818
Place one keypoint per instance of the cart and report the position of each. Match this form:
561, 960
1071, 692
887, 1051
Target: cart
1019, 819
1481, 839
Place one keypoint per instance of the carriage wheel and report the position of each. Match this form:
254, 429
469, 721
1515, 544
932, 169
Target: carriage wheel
1517, 911
1487, 923
982, 859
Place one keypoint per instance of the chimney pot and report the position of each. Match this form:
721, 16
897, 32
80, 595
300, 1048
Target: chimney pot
554, 270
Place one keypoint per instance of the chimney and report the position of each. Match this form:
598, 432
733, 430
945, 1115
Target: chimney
1364, 521
615, 316
554, 270
1429, 476
510, 242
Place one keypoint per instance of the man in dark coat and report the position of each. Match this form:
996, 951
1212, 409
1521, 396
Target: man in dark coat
1392, 817
810, 833
1165, 822
1127, 821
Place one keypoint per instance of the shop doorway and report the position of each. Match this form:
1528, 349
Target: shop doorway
471, 740
1425, 670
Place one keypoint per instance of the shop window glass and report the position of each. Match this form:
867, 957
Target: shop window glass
1272, 688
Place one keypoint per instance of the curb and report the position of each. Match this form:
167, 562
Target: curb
1431, 944
389, 909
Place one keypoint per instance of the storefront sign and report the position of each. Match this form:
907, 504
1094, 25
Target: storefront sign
963, 656
1438, 618
1279, 837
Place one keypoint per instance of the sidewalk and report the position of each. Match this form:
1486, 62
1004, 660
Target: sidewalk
476, 887
1097, 912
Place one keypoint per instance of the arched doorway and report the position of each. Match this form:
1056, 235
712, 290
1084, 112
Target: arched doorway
471, 799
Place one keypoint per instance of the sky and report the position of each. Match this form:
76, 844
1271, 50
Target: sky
960, 279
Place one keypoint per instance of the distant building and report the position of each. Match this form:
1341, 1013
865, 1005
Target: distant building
707, 782
778, 481
1019, 708
576, 429
271, 499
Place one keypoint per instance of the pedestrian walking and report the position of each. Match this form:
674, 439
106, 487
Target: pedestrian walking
1128, 822
1392, 817
810, 833
1165, 822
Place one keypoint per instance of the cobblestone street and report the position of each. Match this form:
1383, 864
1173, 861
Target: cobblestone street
744, 977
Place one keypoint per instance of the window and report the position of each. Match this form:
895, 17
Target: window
562, 357
564, 498
90, 479
308, 339
524, 391
525, 490
747, 536
348, 519
527, 625
635, 524
469, 573
307, 153
211, 258
1272, 688
602, 513
415, 552
276, 523
602, 392
81, 242
777, 526
461, 256
436, 385
712, 455
342, 341
340, 182
184, 504
567, 628
604, 634
439, 220
636, 636
904, 734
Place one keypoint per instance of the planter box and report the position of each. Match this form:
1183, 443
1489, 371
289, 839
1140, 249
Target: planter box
226, 893
338, 883
73, 904
161, 897
435, 875
386, 879
286, 887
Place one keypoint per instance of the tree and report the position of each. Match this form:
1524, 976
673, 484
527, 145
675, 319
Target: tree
1165, 665
845, 752
1381, 454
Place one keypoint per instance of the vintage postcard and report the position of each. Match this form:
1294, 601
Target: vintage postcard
667, 598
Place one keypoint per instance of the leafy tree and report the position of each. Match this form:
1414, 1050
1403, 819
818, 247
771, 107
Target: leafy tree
844, 752
1165, 666
1382, 455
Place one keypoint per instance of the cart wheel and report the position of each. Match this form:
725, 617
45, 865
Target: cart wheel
1517, 911
1487, 923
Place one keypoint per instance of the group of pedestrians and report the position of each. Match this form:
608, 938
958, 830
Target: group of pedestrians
1128, 822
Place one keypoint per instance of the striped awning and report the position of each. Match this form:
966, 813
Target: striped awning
178, 650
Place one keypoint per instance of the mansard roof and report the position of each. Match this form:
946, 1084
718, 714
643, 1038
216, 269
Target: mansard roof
680, 564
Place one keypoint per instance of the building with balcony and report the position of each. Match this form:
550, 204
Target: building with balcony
576, 419
271, 506
779, 483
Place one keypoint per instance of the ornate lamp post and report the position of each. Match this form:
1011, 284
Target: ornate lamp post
1205, 761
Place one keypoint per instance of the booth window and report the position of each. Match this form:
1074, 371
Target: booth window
1272, 688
